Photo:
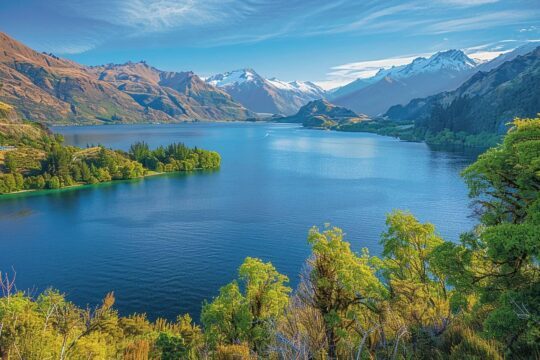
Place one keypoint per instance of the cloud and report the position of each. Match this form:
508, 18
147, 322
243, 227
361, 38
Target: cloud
487, 20
343, 74
346, 73
468, 3
528, 29
163, 15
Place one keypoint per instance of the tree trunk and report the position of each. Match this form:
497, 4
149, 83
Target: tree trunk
332, 351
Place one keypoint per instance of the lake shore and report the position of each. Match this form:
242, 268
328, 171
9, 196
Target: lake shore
31, 192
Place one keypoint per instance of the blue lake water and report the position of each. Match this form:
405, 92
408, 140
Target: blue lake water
165, 243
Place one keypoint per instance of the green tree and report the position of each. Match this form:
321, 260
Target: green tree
416, 289
266, 294
227, 319
10, 162
338, 284
497, 265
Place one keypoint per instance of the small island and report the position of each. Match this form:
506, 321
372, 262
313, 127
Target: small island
33, 158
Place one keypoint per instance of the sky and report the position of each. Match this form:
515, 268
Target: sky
330, 42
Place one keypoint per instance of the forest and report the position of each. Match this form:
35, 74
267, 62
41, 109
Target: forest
421, 298
46, 163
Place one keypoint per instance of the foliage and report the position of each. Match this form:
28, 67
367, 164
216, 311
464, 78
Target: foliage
423, 298
498, 263
234, 317
408, 131
51, 165
174, 157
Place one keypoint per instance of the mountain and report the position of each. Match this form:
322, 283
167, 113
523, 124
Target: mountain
266, 95
522, 50
351, 87
180, 95
46, 88
322, 114
400, 84
484, 103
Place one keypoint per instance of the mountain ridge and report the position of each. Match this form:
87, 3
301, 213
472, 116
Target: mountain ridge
266, 95
400, 84
484, 103
48, 89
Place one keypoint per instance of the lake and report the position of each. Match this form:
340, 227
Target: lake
165, 243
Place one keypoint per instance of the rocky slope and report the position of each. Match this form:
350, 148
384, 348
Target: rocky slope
180, 95
45, 88
484, 103
266, 95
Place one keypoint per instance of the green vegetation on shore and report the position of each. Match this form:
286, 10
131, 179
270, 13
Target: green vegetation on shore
408, 131
32, 158
422, 298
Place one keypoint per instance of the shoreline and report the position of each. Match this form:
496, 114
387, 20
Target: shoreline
36, 192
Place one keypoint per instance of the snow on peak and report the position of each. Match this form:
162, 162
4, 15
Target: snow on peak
232, 78
450, 60
280, 84
243, 76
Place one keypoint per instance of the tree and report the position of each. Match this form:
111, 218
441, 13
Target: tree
234, 317
227, 318
338, 283
497, 264
10, 162
266, 295
58, 160
414, 286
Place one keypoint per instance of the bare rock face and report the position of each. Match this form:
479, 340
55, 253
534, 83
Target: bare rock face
45, 88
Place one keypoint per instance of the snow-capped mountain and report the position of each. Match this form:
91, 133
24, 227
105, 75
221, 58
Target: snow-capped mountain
399, 84
266, 95
451, 60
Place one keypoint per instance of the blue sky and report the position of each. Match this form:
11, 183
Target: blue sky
328, 41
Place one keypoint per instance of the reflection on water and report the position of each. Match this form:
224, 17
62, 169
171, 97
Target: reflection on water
165, 243
15, 214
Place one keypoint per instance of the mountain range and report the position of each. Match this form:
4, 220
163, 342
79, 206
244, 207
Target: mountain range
433, 90
266, 95
400, 84
49, 89
484, 103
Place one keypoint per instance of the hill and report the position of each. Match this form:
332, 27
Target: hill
323, 114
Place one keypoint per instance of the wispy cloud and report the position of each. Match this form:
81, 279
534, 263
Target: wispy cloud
468, 3
531, 28
483, 21
166, 15
343, 74
346, 73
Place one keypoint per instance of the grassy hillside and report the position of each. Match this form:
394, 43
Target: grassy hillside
32, 158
